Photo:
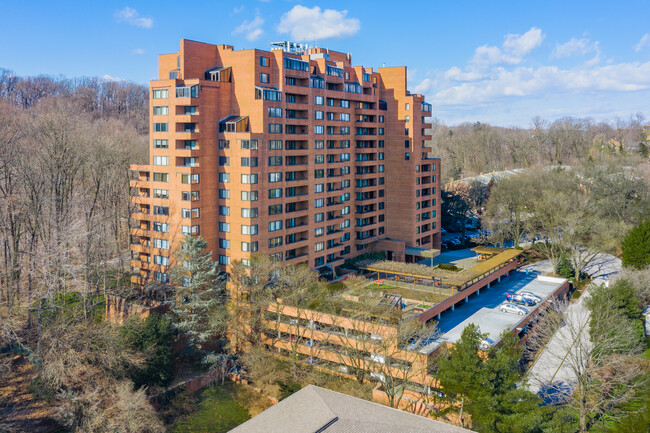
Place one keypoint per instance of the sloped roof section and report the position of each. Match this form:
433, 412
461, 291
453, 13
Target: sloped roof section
314, 410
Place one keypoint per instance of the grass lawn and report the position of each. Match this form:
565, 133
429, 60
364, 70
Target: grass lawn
222, 408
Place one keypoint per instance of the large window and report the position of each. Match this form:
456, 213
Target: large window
161, 110
275, 193
161, 177
160, 160
190, 178
275, 160
249, 195
249, 212
249, 178
161, 210
160, 127
275, 177
319, 129
295, 64
275, 128
163, 244
264, 61
275, 144
249, 230
224, 177
161, 144
160, 93
275, 225
160, 227
264, 78
250, 247
275, 112
160, 193
319, 100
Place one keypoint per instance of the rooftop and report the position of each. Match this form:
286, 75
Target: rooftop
314, 409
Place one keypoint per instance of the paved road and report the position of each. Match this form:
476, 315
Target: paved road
552, 375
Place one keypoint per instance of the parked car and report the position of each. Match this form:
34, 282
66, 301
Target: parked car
516, 298
514, 309
531, 296
454, 241
486, 343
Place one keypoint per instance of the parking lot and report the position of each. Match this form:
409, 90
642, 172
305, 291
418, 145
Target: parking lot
483, 309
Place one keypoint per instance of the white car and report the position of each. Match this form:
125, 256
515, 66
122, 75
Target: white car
531, 296
514, 309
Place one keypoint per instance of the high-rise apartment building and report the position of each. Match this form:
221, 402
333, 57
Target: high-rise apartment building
293, 151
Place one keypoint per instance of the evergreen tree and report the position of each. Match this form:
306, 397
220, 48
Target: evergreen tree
460, 373
636, 246
199, 302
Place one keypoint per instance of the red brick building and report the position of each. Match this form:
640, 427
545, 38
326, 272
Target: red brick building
292, 151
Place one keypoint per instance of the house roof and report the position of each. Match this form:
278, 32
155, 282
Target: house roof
314, 409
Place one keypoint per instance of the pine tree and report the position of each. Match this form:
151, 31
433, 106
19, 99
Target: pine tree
199, 302
636, 246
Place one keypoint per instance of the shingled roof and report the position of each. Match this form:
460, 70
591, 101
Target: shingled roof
315, 410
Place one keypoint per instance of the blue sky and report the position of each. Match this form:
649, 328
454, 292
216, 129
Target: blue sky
496, 62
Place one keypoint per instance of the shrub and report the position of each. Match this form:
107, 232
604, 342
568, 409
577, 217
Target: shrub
449, 267
565, 268
153, 337
636, 246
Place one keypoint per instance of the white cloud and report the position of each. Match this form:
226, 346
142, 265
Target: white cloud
514, 48
237, 10
131, 16
305, 24
111, 78
251, 29
424, 86
139, 51
520, 45
528, 81
645, 41
575, 47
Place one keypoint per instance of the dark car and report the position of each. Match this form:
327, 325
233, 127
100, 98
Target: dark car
520, 300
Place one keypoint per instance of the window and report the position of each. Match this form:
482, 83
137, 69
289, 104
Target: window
160, 93
345, 210
345, 130
249, 179
160, 160
319, 159
275, 193
224, 161
224, 193
345, 117
295, 64
380, 143
249, 230
190, 230
275, 225
163, 277
268, 94
160, 127
224, 177
163, 244
319, 129
224, 227
334, 71
189, 144
319, 115
291, 98
160, 144
381, 168
160, 193
160, 227
319, 144
190, 196
249, 195
317, 83
275, 242
275, 209
264, 78
224, 260
161, 177
249, 144
192, 213
189, 109
330, 102
161, 260
249, 246
275, 144
275, 177
406, 156
190, 178
319, 173
319, 202
224, 243
345, 103
366, 77
380, 156
275, 160
187, 92
161, 110
407, 144
381, 118
319, 187
275, 128
264, 61
319, 217
352, 87
319, 100
320, 231
380, 131
406, 119
249, 212
247, 161
275, 112
320, 246
224, 144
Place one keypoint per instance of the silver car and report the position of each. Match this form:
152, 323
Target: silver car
531, 296
514, 309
